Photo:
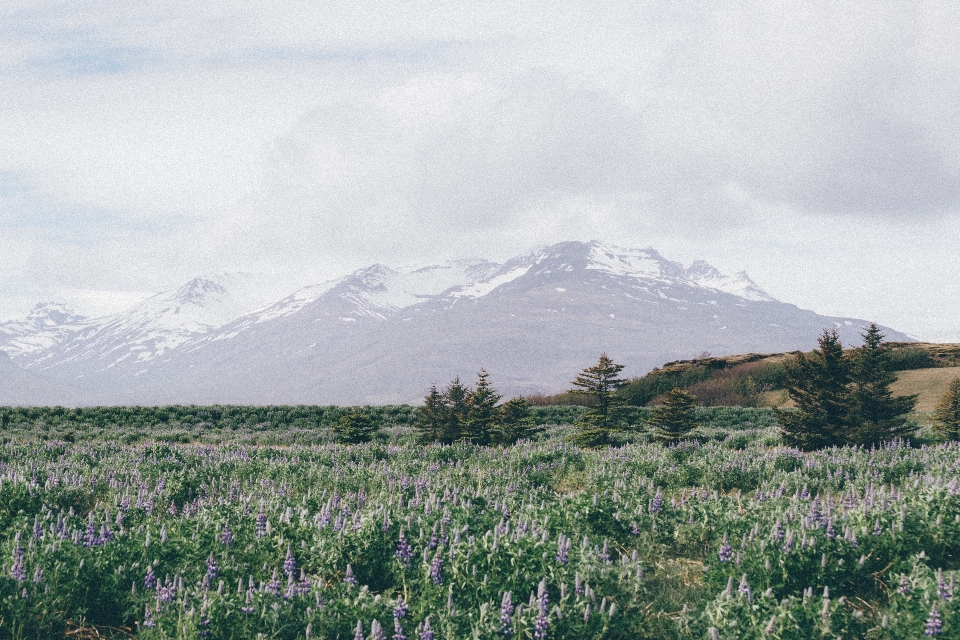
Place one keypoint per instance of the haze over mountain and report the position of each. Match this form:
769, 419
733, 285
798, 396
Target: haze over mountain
383, 335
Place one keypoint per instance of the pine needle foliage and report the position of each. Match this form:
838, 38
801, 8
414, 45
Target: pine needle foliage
675, 418
514, 423
355, 427
875, 414
818, 386
600, 383
948, 412
480, 411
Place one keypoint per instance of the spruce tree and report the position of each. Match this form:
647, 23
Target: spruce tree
875, 414
355, 427
675, 418
948, 412
431, 418
817, 384
514, 422
480, 411
600, 383
456, 396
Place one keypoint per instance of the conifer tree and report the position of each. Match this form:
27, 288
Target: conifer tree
456, 396
948, 412
675, 418
431, 419
514, 422
480, 411
600, 383
355, 427
875, 415
818, 386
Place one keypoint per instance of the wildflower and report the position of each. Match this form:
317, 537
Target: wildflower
261, 526
376, 631
400, 609
150, 580
403, 553
426, 633
778, 531
248, 603
744, 588
148, 618
19, 570
436, 569
877, 530
358, 634
289, 564
348, 577
904, 587
726, 551
274, 585
37, 575
506, 615
657, 505
543, 604
37, 529
934, 626
226, 537
943, 590
830, 533
605, 552
563, 549
398, 633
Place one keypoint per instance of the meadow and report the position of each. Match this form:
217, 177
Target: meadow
245, 529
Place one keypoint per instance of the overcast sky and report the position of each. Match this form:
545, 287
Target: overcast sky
814, 145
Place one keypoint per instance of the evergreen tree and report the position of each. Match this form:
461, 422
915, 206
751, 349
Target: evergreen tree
457, 397
514, 422
600, 383
355, 427
948, 412
875, 414
431, 419
675, 418
481, 411
818, 386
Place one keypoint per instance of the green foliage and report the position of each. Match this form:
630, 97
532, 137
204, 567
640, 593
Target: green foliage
875, 414
514, 423
600, 383
675, 418
948, 412
481, 415
908, 358
355, 427
640, 391
818, 385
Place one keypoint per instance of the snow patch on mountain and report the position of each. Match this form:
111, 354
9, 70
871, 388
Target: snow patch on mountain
47, 324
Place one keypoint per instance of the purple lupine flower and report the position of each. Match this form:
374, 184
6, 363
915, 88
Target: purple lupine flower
106, 535
744, 588
543, 604
943, 590
506, 615
226, 537
400, 609
426, 633
150, 580
290, 564
37, 529
726, 551
934, 626
398, 633
248, 608
403, 553
577, 585
90, 537
261, 526
778, 531
830, 533
172, 510
125, 503
348, 577
436, 569
274, 585
904, 587
19, 569
37, 575
148, 617
634, 529
563, 549
376, 631
657, 505
358, 634
605, 552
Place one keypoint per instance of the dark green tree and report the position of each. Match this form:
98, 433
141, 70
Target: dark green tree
514, 422
456, 396
948, 412
480, 411
875, 414
675, 418
600, 384
355, 427
817, 384
431, 419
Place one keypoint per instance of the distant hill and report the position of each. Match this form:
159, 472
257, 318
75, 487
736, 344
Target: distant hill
757, 379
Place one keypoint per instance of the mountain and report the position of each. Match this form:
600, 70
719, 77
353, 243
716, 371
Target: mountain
46, 325
383, 335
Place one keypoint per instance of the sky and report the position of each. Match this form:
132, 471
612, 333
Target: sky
814, 145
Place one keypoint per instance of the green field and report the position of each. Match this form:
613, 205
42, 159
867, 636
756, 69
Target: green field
248, 529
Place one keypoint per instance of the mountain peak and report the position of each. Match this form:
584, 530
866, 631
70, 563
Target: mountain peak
47, 314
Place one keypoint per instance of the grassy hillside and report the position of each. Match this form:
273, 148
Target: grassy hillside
757, 379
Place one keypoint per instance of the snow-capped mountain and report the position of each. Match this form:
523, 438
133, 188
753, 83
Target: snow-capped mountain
384, 335
47, 324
